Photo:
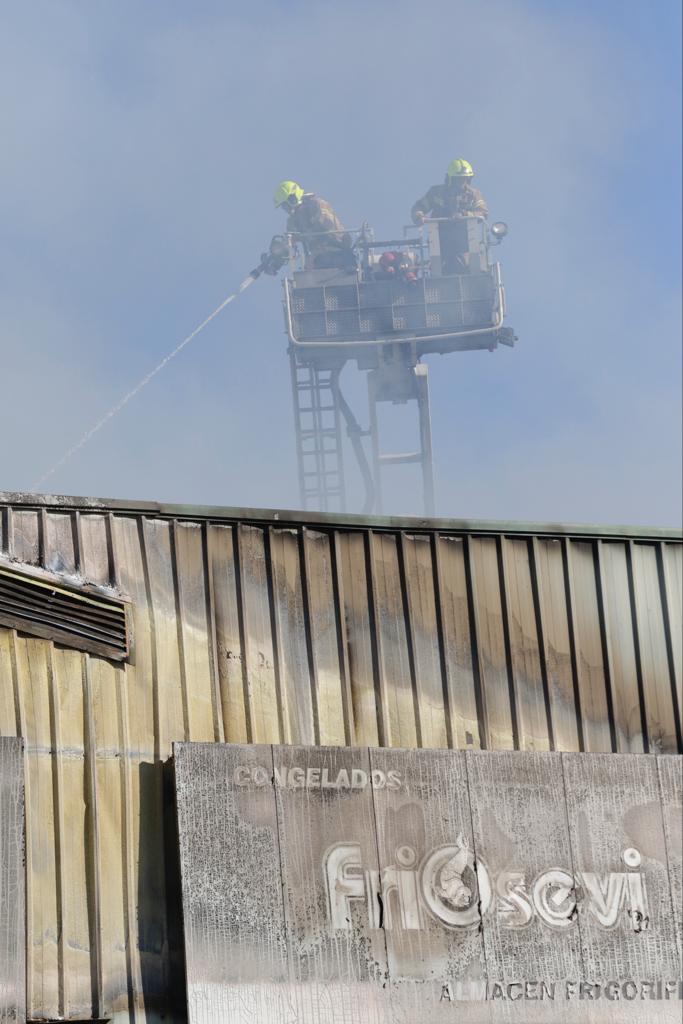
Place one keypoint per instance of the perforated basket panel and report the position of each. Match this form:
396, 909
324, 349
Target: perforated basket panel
476, 286
309, 325
476, 313
341, 297
375, 293
307, 300
380, 308
376, 321
342, 323
409, 318
443, 289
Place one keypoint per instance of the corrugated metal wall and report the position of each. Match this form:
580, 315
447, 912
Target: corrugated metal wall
260, 627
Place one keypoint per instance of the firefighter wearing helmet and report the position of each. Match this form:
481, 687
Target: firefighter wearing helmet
313, 222
452, 204
455, 198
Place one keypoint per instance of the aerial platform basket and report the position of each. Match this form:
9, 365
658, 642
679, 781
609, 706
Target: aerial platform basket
332, 315
385, 306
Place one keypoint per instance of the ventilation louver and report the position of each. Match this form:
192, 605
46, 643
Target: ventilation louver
83, 617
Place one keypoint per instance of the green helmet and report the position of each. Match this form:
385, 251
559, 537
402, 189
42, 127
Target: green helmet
459, 169
288, 192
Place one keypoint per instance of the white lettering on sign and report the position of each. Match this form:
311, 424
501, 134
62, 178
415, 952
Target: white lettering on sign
454, 890
296, 777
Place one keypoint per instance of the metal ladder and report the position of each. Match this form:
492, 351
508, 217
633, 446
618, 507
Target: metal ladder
318, 438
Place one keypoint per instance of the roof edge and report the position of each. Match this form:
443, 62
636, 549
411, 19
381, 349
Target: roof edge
327, 519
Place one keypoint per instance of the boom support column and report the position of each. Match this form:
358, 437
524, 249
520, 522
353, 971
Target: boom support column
400, 383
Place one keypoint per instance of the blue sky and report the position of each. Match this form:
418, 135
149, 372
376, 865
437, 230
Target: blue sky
141, 145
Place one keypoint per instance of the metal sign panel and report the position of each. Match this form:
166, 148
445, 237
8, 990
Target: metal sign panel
520, 829
12, 897
327, 885
671, 781
617, 833
229, 849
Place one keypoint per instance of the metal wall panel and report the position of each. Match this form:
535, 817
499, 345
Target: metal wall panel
671, 785
12, 885
282, 627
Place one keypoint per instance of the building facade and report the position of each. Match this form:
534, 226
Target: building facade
266, 627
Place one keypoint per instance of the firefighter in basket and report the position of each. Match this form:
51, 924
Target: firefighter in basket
312, 221
454, 201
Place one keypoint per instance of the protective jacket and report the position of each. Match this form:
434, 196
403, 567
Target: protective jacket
445, 201
317, 224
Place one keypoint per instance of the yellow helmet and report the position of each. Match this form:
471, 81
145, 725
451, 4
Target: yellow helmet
288, 192
459, 169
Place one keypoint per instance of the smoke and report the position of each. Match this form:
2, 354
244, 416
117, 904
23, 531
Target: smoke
116, 409
139, 157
